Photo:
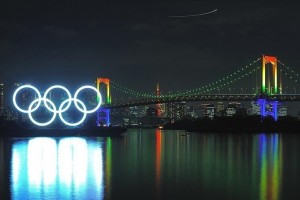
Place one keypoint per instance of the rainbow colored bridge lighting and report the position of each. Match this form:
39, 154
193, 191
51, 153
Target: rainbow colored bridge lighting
103, 114
271, 88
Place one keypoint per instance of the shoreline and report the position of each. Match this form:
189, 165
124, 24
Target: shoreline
237, 125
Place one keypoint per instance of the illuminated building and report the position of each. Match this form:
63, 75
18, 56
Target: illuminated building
190, 111
143, 111
232, 109
1, 97
162, 110
151, 112
11, 115
269, 109
208, 110
282, 111
198, 111
220, 108
133, 111
176, 110
255, 109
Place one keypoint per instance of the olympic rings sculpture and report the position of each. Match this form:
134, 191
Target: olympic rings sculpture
52, 108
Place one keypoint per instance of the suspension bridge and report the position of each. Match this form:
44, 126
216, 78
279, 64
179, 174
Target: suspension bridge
266, 80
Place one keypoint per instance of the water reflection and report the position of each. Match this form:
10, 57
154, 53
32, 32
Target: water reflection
158, 141
67, 168
226, 163
270, 150
156, 164
108, 163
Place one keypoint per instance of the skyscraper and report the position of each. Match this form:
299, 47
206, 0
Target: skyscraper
176, 110
255, 108
208, 110
1, 97
232, 109
220, 108
282, 110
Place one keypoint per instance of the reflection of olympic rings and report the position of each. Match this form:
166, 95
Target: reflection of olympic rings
34, 105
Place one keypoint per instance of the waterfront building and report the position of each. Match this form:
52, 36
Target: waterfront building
220, 109
133, 111
162, 110
190, 111
151, 112
208, 110
232, 109
176, 110
282, 111
198, 111
254, 109
1, 98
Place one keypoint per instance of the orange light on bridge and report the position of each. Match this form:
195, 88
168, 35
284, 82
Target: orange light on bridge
273, 61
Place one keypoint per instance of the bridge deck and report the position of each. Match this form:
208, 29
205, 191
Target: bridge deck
206, 97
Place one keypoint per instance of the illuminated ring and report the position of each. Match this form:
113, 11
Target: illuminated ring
60, 112
52, 107
30, 112
98, 95
31, 87
57, 87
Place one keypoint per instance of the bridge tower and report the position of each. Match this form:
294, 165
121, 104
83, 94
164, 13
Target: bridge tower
269, 76
269, 86
158, 105
103, 114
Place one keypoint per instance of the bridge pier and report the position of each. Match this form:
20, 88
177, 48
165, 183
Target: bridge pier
103, 117
268, 108
103, 114
269, 87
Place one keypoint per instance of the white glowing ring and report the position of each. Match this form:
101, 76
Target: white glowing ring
30, 112
98, 95
57, 87
75, 101
52, 107
22, 87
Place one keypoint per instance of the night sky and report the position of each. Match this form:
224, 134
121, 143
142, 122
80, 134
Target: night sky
138, 44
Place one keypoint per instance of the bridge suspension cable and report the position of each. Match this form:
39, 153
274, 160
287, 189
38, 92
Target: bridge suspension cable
227, 80
221, 83
126, 90
288, 69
